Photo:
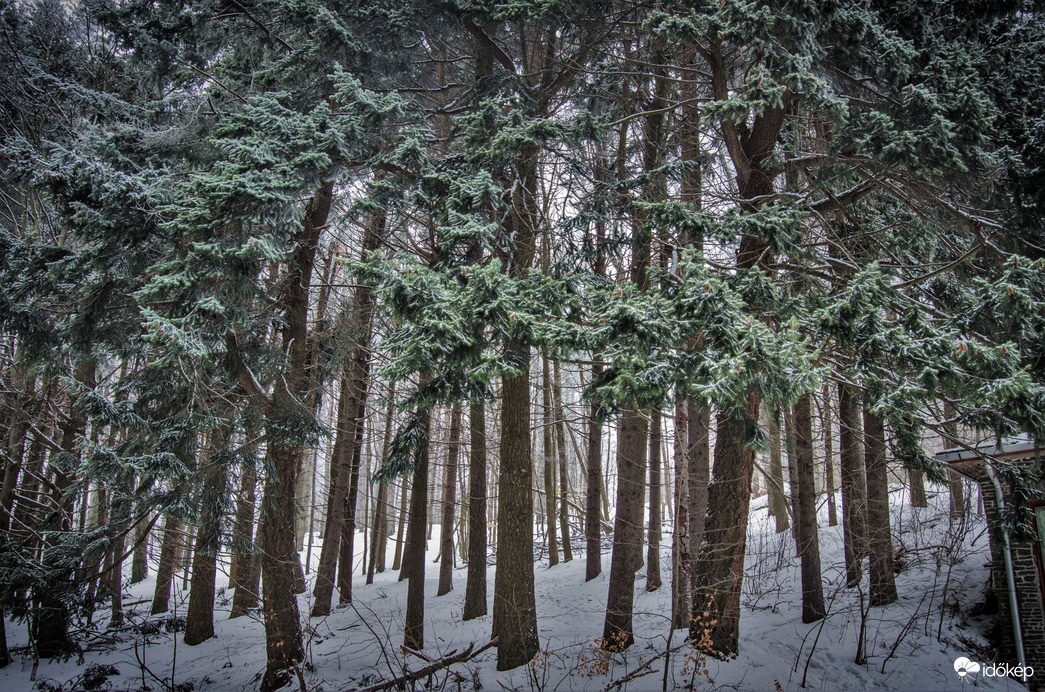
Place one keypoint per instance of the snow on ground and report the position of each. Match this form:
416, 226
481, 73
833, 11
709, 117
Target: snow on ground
359, 645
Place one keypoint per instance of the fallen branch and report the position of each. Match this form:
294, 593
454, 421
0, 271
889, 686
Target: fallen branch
448, 660
644, 669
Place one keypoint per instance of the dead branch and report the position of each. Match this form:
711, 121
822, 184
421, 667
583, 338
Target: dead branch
444, 662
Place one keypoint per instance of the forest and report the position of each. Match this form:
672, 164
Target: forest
303, 299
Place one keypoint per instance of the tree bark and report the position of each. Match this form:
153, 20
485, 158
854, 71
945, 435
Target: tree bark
954, 481
379, 534
404, 494
548, 452
777, 497
165, 570
653, 581
854, 485
699, 475
281, 567
564, 477
879, 535
446, 532
50, 624
719, 568
592, 532
626, 557
813, 607
829, 456
140, 557
681, 555
199, 621
414, 552
475, 586
348, 531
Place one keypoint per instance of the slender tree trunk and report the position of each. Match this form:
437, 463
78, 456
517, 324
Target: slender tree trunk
776, 466
564, 476
404, 493
954, 481
792, 467
446, 532
829, 456
813, 607
626, 557
341, 474
548, 452
140, 557
248, 581
165, 569
653, 581
348, 532
379, 535
681, 568
879, 535
243, 532
414, 556
23, 386
854, 486
50, 624
917, 480
199, 621
475, 587
699, 475
281, 566
592, 532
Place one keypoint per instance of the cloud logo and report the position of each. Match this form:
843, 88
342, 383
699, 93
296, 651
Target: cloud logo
963, 666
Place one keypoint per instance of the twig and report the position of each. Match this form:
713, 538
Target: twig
469, 653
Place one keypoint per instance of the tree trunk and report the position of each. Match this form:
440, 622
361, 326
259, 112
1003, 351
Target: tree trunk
954, 481
50, 624
626, 557
879, 535
653, 581
446, 532
404, 493
792, 474
548, 452
165, 569
475, 586
917, 480
813, 607
140, 557
281, 566
514, 601
414, 556
698, 475
341, 473
777, 497
248, 581
854, 486
592, 532
564, 477
379, 534
243, 531
719, 568
348, 532
829, 456
681, 568
199, 621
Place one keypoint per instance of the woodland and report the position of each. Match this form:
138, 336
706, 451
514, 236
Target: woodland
287, 282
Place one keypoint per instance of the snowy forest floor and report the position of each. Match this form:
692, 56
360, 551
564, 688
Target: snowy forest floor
910, 645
